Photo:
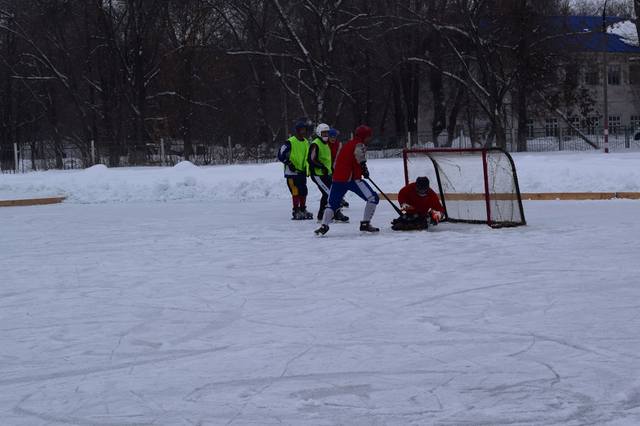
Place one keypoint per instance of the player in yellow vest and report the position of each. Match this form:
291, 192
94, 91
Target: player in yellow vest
294, 155
321, 168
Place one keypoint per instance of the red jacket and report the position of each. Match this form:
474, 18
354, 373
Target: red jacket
419, 205
350, 156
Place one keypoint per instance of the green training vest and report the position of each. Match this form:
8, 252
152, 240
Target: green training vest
324, 156
299, 153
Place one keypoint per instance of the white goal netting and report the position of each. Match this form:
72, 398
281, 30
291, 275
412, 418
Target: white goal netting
475, 185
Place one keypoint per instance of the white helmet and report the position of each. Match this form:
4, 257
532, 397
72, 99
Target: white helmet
322, 127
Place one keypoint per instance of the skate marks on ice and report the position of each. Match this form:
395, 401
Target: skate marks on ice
214, 321
171, 356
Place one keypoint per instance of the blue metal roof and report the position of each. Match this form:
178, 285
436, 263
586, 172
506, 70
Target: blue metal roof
584, 34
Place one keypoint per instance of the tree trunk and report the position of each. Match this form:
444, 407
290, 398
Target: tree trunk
8, 120
500, 133
140, 107
522, 119
439, 109
636, 8
265, 135
187, 110
453, 115
523, 75
398, 107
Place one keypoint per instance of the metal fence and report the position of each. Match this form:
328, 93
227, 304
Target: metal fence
538, 140
45, 155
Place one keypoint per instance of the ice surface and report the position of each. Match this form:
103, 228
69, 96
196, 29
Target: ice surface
222, 312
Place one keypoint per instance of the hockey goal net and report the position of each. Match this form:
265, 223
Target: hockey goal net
475, 185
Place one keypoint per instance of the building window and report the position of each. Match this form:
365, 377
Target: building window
571, 75
634, 74
614, 124
575, 122
614, 75
635, 121
592, 76
530, 131
551, 127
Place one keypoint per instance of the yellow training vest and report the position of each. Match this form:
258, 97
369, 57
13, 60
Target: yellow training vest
324, 156
299, 153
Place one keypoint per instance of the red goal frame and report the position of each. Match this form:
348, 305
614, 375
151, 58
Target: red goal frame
487, 194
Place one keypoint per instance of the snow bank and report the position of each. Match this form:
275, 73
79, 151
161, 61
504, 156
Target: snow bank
537, 172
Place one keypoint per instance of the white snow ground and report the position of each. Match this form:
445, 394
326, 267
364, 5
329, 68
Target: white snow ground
227, 312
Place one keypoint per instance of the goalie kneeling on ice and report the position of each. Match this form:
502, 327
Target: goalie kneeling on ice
420, 205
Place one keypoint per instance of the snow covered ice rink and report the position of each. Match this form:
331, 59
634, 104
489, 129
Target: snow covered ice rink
222, 312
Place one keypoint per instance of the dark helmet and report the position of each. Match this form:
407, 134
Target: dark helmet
300, 125
422, 185
307, 123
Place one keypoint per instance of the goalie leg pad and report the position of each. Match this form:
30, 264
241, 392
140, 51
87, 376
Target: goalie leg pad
410, 224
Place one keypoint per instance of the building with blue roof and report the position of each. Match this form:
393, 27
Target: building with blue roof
583, 37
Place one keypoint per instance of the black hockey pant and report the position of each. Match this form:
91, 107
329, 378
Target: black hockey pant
324, 185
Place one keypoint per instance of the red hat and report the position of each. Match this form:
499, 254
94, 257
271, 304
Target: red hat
363, 131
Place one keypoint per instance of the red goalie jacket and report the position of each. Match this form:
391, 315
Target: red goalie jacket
419, 205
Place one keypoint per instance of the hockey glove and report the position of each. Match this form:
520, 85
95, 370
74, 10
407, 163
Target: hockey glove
365, 170
435, 216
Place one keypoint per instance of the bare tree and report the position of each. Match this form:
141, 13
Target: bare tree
191, 28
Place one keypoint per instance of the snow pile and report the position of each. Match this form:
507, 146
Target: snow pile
626, 30
184, 181
578, 172
537, 172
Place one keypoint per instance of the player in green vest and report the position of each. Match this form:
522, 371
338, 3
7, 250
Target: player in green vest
321, 168
294, 155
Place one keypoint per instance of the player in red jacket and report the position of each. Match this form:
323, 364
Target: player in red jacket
335, 146
350, 168
420, 205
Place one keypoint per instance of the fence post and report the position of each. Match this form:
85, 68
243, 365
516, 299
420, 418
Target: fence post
162, 157
627, 137
15, 157
560, 141
229, 151
93, 152
408, 139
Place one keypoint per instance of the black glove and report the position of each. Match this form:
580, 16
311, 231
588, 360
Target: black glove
365, 170
292, 167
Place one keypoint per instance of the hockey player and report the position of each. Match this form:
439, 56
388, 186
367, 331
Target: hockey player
420, 205
335, 146
293, 154
321, 169
351, 167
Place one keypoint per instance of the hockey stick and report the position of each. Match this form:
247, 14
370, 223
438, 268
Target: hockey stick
387, 198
